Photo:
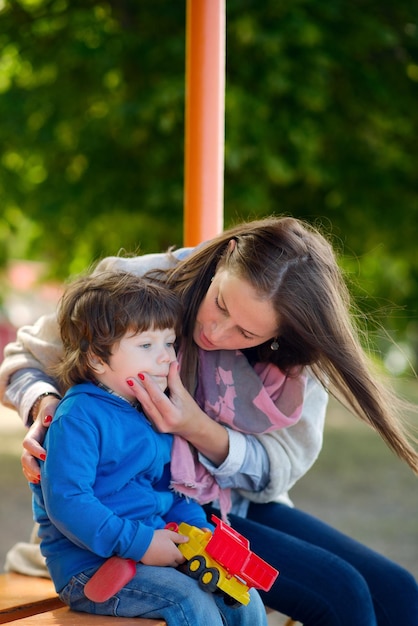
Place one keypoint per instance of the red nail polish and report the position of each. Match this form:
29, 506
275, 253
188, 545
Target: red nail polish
130, 383
48, 419
141, 377
43, 457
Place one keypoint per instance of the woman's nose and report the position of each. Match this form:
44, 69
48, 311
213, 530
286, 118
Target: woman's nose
219, 330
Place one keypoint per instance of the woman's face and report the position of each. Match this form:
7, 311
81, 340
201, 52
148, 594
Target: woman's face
232, 316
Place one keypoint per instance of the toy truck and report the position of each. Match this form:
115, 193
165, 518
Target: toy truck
223, 562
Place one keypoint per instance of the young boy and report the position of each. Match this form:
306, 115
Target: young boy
105, 482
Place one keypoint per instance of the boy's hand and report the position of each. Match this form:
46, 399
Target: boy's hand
163, 550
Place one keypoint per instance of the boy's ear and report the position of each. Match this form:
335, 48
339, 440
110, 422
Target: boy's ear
96, 363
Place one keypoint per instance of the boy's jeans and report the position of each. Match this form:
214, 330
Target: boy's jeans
164, 592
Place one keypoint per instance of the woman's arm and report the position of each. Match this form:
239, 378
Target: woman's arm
267, 464
23, 376
38, 347
292, 451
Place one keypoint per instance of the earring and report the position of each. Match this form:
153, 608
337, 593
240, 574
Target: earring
274, 344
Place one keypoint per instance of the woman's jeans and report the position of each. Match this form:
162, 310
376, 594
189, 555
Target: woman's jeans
164, 592
326, 578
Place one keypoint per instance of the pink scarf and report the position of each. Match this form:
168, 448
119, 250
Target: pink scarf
248, 399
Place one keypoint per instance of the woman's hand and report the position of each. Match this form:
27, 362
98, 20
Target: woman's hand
163, 550
179, 414
32, 448
176, 414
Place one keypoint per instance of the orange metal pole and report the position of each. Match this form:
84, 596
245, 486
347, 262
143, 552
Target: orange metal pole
205, 120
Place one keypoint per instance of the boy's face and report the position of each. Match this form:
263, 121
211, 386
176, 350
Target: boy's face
150, 352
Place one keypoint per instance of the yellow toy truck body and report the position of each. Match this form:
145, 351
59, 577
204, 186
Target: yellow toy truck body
223, 562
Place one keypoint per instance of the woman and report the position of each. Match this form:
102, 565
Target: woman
270, 290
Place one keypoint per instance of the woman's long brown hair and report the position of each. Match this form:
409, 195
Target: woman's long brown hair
293, 265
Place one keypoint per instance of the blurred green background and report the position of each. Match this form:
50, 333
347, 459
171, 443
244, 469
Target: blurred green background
321, 123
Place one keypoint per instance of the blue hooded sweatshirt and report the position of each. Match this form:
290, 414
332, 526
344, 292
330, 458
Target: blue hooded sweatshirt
105, 484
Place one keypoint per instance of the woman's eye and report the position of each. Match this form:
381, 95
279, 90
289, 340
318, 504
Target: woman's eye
218, 305
145, 345
225, 312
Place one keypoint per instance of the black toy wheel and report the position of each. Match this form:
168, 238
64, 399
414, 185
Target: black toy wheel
195, 566
209, 579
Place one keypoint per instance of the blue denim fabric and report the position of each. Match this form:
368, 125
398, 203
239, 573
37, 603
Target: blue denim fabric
327, 578
164, 592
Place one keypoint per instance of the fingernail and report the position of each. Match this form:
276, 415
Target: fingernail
130, 383
48, 419
141, 377
43, 457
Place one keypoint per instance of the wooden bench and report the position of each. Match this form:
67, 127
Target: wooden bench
25, 598
21, 596
66, 617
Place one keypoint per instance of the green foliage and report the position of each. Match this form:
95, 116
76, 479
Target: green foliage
94, 97
321, 123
